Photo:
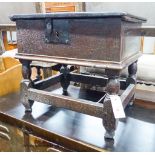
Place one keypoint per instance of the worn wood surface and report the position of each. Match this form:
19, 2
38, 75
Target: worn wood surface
78, 105
7, 27
80, 62
84, 36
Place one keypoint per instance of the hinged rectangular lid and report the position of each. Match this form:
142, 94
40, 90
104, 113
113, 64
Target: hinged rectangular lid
125, 16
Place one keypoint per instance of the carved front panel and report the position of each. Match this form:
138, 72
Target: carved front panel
91, 39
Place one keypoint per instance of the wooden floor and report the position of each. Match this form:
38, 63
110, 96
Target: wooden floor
135, 133
145, 94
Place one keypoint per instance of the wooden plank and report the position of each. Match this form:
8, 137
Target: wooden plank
80, 62
78, 105
45, 83
59, 139
148, 31
7, 27
94, 80
143, 31
3, 36
60, 7
145, 104
88, 79
127, 95
1, 43
59, 4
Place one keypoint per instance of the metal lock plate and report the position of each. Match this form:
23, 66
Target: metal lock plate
57, 31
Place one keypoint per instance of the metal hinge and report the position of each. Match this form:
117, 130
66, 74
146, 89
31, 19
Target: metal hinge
57, 31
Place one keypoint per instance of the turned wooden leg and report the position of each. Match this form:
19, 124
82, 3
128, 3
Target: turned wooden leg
38, 77
65, 79
47, 72
25, 85
26, 69
109, 121
132, 77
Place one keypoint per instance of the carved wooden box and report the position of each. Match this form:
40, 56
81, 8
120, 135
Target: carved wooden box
102, 40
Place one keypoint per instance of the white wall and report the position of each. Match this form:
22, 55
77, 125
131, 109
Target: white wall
143, 9
8, 8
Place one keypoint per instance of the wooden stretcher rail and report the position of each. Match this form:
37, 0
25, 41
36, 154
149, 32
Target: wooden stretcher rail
7, 27
94, 80
82, 78
148, 31
127, 95
45, 83
78, 105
